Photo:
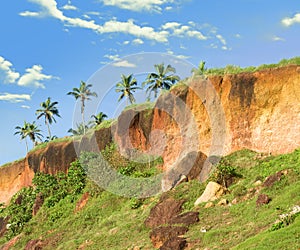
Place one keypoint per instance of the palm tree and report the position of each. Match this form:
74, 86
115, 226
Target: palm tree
22, 131
99, 118
34, 132
83, 93
127, 86
164, 78
49, 111
200, 70
81, 128
29, 130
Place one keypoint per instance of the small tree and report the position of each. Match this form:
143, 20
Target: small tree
127, 87
83, 93
98, 119
29, 130
200, 71
49, 111
163, 78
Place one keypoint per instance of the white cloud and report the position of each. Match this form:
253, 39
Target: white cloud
69, 6
278, 39
34, 77
25, 107
180, 30
49, 8
14, 98
114, 26
126, 42
196, 34
137, 41
170, 52
140, 5
238, 36
289, 21
29, 14
221, 39
168, 8
86, 16
170, 25
7, 73
93, 13
124, 64
113, 57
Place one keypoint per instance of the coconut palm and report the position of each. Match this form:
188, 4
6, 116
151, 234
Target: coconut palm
163, 78
22, 131
29, 130
200, 71
83, 93
81, 129
49, 111
127, 87
99, 118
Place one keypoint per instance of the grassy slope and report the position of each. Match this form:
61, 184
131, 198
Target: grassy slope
108, 221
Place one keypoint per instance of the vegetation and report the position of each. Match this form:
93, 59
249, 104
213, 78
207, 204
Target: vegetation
127, 87
83, 93
80, 130
233, 69
200, 71
108, 221
98, 119
49, 111
29, 130
163, 78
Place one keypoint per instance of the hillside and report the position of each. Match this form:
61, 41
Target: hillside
106, 221
212, 164
254, 112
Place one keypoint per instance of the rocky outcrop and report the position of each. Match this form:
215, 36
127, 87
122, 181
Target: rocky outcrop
259, 111
212, 192
164, 219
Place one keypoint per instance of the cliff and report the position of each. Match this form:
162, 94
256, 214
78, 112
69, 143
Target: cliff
258, 111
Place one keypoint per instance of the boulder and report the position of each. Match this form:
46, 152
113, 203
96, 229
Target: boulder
272, 179
186, 219
209, 205
163, 212
174, 244
213, 191
262, 200
223, 202
190, 166
160, 235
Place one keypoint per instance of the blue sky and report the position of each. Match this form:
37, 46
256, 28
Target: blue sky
48, 46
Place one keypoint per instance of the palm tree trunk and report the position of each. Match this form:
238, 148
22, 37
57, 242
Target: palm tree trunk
49, 132
26, 146
82, 114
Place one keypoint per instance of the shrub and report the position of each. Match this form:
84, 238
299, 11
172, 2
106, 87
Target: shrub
19, 211
224, 173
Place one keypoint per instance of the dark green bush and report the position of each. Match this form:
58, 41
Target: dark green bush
224, 173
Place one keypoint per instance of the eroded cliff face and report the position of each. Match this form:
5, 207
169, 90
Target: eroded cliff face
258, 111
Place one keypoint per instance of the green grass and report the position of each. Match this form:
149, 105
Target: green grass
140, 106
13, 162
109, 222
233, 69
45, 144
105, 124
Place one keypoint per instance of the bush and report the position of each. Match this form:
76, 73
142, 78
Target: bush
224, 173
19, 211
